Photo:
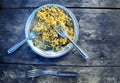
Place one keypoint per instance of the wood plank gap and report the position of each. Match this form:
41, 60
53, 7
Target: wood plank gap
60, 65
67, 7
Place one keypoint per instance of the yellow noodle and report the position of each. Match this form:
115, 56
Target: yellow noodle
46, 18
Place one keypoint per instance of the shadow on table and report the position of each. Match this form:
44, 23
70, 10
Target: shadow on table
51, 60
60, 60
1, 3
52, 79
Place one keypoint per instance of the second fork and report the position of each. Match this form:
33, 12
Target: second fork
37, 73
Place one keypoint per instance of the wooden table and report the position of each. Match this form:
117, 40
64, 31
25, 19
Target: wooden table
99, 22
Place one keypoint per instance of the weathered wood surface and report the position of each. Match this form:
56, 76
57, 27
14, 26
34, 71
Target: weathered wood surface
67, 3
17, 74
99, 35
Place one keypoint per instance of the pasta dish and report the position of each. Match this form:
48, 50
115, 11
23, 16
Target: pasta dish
47, 18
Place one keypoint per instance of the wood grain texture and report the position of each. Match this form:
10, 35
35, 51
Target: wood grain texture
67, 3
99, 37
17, 74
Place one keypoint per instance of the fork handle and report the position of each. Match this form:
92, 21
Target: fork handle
16, 46
84, 55
61, 73
66, 74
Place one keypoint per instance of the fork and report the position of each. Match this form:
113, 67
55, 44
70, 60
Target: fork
16, 46
37, 73
63, 33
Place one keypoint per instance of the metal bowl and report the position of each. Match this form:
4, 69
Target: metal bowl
50, 54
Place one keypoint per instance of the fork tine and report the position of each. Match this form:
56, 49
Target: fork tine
61, 31
33, 73
32, 70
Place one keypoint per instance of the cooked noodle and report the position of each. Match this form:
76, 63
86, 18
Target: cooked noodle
47, 18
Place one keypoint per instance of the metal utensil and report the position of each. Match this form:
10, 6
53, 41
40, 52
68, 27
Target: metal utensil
15, 47
63, 33
37, 73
